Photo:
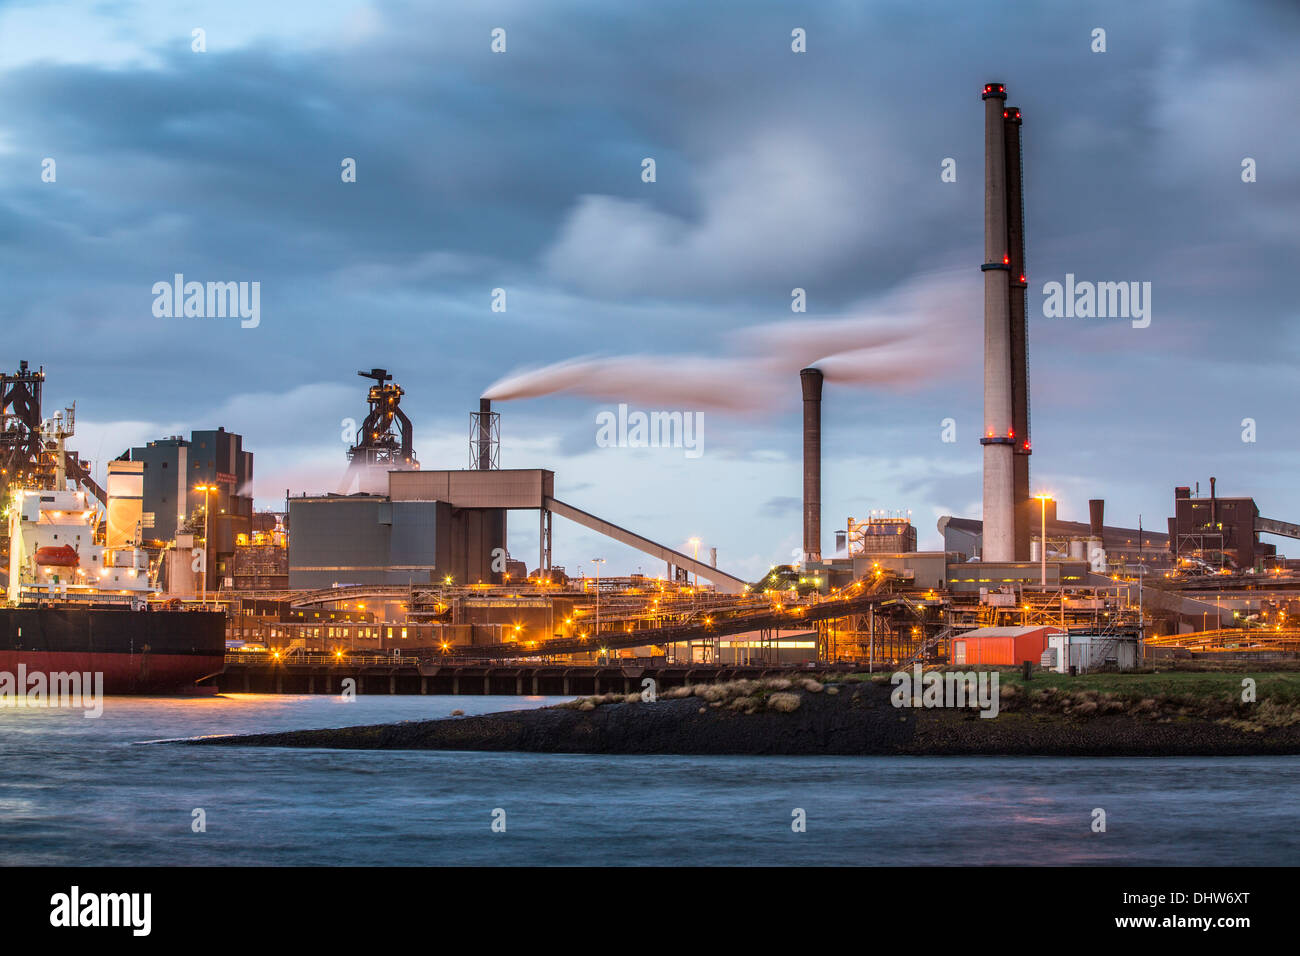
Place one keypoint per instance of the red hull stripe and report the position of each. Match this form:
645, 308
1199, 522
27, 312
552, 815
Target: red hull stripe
123, 673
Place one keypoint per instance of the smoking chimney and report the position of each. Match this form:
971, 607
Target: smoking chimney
999, 436
811, 380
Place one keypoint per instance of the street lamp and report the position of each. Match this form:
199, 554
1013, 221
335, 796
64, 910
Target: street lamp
1142, 571
1042, 541
598, 562
205, 489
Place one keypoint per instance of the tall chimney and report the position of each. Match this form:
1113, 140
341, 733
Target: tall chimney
998, 436
811, 380
1024, 505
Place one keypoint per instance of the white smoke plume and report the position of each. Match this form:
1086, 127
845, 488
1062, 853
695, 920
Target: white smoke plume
906, 339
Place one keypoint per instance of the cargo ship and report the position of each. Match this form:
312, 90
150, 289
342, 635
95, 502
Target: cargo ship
76, 605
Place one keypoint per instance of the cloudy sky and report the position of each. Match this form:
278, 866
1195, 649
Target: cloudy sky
775, 170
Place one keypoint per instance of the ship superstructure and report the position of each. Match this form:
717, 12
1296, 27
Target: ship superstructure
78, 586
54, 553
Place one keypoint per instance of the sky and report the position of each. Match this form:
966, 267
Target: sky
774, 170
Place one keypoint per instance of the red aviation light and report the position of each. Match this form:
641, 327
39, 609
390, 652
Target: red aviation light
1026, 445
1006, 260
1011, 433
1022, 277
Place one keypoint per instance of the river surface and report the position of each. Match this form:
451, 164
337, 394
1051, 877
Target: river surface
78, 791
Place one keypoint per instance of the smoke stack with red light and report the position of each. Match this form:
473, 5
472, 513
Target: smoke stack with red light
1024, 504
998, 437
811, 380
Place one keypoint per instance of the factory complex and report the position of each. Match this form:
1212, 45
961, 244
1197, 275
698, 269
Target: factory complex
405, 561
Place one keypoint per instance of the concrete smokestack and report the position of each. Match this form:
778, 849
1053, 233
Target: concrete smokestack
1024, 505
998, 436
811, 380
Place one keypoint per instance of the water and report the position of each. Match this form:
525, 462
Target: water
78, 791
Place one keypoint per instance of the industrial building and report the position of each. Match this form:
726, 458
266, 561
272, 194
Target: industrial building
410, 536
1222, 533
880, 534
181, 478
261, 560
1001, 646
1072, 540
432, 527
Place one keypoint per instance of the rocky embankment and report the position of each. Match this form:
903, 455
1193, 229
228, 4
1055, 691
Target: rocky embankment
804, 716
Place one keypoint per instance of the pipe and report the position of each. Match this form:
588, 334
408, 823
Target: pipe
998, 436
811, 380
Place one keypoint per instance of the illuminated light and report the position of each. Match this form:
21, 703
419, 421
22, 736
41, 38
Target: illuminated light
1006, 260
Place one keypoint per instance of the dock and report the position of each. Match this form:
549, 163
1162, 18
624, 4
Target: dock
376, 674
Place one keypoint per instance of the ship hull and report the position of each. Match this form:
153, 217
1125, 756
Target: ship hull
138, 652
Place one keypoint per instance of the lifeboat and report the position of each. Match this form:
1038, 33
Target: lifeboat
64, 556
